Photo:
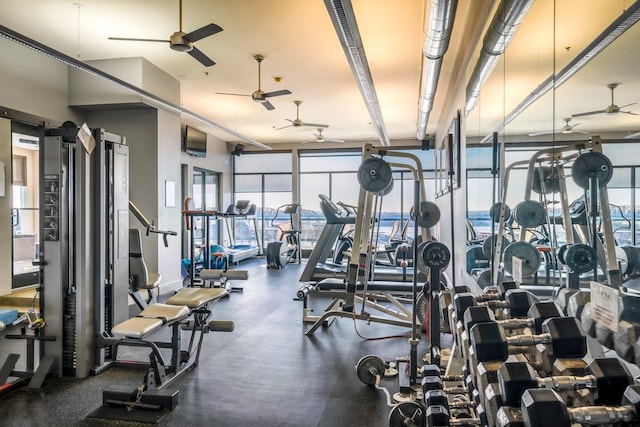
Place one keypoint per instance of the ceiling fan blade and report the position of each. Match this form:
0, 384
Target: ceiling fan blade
132, 39
589, 113
200, 33
546, 132
629, 112
269, 106
633, 135
306, 141
201, 57
277, 93
283, 127
234, 94
339, 141
628, 105
315, 125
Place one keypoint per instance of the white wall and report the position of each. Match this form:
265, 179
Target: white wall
6, 237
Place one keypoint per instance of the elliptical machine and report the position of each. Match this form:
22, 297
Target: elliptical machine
287, 246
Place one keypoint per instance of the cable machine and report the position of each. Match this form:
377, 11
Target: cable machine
85, 251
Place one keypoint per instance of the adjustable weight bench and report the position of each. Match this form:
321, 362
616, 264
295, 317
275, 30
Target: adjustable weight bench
190, 310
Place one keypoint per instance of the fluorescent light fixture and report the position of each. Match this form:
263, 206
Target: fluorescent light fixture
147, 96
625, 21
344, 21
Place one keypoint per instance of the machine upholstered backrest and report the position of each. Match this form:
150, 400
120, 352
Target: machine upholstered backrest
137, 267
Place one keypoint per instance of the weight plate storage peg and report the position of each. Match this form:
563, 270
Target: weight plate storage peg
374, 175
429, 214
580, 258
527, 253
368, 367
591, 165
433, 255
530, 214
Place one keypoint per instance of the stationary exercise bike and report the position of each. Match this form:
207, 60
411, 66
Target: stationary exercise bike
287, 246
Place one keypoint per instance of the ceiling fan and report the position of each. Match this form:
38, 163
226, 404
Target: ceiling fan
297, 122
610, 109
319, 137
567, 128
259, 95
183, 42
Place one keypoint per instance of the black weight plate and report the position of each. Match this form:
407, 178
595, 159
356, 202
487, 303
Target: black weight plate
374, 175
580, 258
368, 367
591, 164
407, 414
432, 255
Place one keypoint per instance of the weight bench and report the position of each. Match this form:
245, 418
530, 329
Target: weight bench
189, 309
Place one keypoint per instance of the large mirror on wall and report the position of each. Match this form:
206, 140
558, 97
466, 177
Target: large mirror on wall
567, 77
25, 212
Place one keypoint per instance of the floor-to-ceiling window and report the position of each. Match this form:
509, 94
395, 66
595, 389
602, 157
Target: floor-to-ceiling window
265, 180
336, 176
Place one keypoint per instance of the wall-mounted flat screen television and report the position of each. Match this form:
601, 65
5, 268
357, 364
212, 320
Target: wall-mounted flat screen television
195, 142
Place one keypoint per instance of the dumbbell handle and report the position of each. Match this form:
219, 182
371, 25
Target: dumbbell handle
493, 304
516, 323
597, 415
465, 422
529, 340
567, 382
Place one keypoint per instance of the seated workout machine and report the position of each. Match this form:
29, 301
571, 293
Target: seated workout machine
189, 309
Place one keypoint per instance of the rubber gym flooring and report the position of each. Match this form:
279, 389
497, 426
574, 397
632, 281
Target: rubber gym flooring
265, 373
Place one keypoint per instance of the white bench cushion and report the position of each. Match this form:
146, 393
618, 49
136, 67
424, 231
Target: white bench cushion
149, 320
195, 297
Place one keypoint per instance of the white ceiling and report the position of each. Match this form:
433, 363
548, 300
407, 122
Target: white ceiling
300, 46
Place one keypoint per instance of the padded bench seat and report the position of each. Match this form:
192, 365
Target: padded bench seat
195, 297
333, 284
150, 319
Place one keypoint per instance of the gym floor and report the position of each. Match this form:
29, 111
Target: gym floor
266, 372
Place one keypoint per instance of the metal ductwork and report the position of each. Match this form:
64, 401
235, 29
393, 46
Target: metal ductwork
504, 25
437, 35
344, 21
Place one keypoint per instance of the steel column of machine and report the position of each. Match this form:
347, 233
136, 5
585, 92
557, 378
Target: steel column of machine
413, 341
612, 271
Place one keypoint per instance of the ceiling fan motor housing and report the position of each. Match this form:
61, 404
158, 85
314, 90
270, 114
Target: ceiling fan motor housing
258, 96
179, 43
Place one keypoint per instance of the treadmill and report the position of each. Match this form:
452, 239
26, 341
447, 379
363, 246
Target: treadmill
243, 209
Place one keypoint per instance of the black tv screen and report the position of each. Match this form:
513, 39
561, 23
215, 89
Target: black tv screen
195, 142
